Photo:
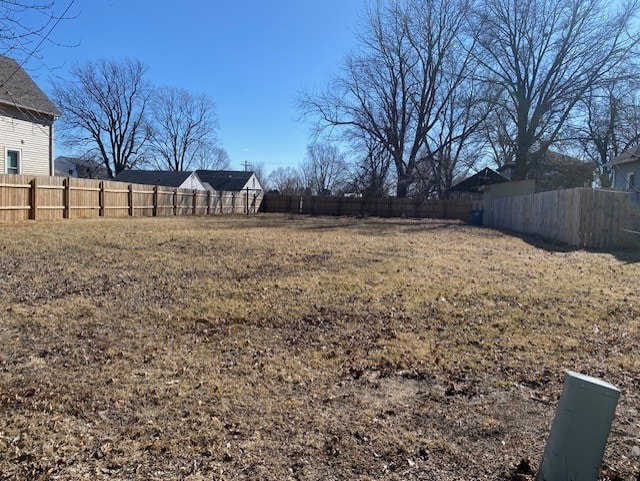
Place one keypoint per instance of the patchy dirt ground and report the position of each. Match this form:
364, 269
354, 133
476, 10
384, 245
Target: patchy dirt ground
277, 347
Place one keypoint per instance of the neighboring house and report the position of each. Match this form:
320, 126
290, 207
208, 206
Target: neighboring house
81, 168
26, 123
489, 184
165, 178
625, 169
477, 182
230, 181
556, 171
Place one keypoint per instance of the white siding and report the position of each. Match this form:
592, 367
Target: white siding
30, 137
621, 173
253, 183
193, 182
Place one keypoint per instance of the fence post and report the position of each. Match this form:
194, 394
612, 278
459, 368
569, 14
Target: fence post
221, 211
233, 202
247, 197
67, 197
101, 199
175, 201
208, 202
130, 200
339, 206
155, 201
33, 199
195, 201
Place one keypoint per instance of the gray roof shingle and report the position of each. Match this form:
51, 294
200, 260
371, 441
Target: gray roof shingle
225, 180
19, 90
165, 178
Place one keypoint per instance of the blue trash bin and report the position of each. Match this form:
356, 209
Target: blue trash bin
476, 217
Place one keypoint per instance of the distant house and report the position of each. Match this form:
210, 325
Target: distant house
625, 170
477, 182
26, 123
165, 178
230, 181
80, 168
554, 171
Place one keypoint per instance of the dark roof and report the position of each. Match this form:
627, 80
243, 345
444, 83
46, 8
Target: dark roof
19, 90
165, 178
225, 180
83, 168
474, 183
632, 154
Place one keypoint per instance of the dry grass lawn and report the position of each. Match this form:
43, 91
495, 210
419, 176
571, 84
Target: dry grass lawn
299, 348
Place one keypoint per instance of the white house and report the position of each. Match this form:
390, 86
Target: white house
26, 123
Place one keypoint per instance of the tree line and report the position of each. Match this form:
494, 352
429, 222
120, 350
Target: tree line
431, 89
435, 86
112, 114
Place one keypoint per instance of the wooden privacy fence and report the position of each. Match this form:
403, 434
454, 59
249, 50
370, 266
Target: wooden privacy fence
27, 197
378, 207
588, 218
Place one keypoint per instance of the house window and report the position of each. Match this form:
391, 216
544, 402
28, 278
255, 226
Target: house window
631, 180
13, 162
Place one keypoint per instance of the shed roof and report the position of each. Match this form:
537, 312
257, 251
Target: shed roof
225, 180
19, 90
474, 183
167, 178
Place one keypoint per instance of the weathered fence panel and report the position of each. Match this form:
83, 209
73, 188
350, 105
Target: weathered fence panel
378, 207
142, 200
595, 219
83, 197
15, 197
49, 196
116, 199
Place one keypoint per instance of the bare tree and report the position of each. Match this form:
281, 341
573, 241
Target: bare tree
496, 134
212, 157
611, 121
393, 90
286, 180
181, 124
325, 170
28, 25
371, 174
542, 57
104, 105
454, 143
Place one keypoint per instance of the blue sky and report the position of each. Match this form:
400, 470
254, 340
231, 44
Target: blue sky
252, 57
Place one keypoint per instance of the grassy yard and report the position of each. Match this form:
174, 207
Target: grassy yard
277, 347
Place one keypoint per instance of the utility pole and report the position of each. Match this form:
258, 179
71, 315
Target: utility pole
246, 165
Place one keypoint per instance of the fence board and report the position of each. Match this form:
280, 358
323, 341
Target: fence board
84, 198
50, 196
